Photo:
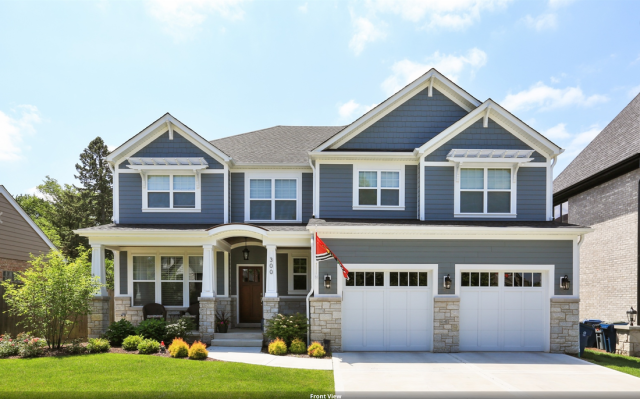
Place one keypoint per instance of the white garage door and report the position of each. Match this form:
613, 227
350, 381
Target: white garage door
503, 311
387, 311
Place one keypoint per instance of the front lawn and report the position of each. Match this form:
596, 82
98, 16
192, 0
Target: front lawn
114, 375
626, 364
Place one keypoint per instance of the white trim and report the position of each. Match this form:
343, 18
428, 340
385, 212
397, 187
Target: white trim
116, 194
575, 284
485, 214
171, 191
549, 188
237, 295
421, 189
116, 273
225, 183
368, 167
26, 217
271, 272
297, 255
273, 176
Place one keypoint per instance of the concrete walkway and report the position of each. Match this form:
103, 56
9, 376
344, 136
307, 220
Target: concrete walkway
255, 356
479, 372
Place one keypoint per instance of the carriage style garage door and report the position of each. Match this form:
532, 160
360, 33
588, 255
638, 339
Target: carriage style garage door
387, 311
503, 311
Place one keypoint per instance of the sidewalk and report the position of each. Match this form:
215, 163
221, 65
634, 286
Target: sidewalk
255, 356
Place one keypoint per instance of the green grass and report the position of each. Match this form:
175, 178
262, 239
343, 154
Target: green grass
626, 364
118, 375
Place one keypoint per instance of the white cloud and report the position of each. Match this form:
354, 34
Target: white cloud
182, 18
541, 22
450, 14
38, 193
634, 91
545, 98
111, 147
450, 65
352, 109
572, 143
559, 3
13, 128
365, 32
304, 8
557, 133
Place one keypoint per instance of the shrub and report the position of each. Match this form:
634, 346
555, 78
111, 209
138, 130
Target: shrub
198, 351
148, 346
297, 346
154, 329
316, 350
179, 329
76, 347
98, 345
287, 328
8, 346
278, 347
131, 342
29, 346
118, 331
179, 348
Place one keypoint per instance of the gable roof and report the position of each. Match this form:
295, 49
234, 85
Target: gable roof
432, 78
618, 141
158, 127
5, 193
287, 145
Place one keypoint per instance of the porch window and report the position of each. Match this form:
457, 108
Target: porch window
485, 191
172, 276
195, 278
171, 192
144, 280
299, 274
273, 199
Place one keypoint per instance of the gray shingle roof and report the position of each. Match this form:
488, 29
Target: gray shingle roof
278, 144
615, 143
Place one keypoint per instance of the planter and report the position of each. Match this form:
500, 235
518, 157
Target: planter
222, 328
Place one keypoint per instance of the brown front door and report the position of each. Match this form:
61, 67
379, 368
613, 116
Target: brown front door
250, 283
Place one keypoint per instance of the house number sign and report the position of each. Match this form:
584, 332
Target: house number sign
271, 265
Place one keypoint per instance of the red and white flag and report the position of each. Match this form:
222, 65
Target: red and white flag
324, 253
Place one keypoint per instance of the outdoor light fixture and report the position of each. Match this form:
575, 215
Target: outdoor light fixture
327, 281
447, 282
565, 284
631, 315
245, 251
123, 315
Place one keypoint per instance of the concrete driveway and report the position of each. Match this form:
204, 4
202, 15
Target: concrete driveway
489, 372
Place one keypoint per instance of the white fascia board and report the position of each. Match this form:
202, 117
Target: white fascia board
468, 103
158, 128
303, 168
26, 217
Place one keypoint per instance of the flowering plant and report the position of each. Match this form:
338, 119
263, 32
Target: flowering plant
8, 346
29, 346
287, 327
222, 318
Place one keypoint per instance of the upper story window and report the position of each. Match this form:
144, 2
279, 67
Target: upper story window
378, 189
561, 212
273, 199
485, 191
171, 192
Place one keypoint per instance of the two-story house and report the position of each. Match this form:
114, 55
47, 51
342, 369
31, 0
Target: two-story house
438, 204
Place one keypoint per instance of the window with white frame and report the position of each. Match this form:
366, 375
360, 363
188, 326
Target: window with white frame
144, 280
485, 191
172, 280
195, 278
273, 199
379, 188
299, 272
171, 191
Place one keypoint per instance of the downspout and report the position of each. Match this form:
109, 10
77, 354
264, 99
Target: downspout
554, 160
313, 256
576, 278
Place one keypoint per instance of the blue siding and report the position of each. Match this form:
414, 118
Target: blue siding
336, 195
439, 192
410, 125
131, 203
307, 197
179, 147
475, 137
124, 276
220, 273
448, 253
236, 214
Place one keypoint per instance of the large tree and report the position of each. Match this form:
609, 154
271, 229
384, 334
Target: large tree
97, 182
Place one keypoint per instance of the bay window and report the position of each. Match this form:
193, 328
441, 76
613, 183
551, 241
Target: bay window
271, 199
485, 191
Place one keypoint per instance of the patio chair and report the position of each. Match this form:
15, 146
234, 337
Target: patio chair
154, 309
193, 310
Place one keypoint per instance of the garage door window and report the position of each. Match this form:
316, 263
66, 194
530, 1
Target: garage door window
365, 279
479, 279
408, 279
523, 279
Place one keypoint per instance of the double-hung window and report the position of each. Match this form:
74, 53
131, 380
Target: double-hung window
172, 275
485, 191
195, 278
144, 280
378, 189
298, 274
174, 192
273, 199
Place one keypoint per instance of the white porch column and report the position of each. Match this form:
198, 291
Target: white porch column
207, 272
271, 273
98, 268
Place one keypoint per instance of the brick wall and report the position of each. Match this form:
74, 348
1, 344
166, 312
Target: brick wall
12, 265
608, 256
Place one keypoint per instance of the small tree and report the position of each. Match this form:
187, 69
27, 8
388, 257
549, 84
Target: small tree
52, 295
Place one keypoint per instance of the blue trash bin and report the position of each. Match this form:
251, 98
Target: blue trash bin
587, 337
609, 336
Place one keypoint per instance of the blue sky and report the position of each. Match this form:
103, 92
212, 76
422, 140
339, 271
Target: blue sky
71, 71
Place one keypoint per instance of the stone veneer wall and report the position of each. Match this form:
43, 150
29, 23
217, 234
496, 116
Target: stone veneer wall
565, 330
207, 319
446, 325
270, 307
98, 320
289, 306
609, 255
122, 306
628, 343
326, 320
227, 305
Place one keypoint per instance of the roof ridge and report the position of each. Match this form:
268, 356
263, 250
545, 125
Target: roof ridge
272, 127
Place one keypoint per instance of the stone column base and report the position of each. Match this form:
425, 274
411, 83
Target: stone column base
227, 305
628, 340
98, 320
565, 325
326, 320
446, 324
207, 319
123, 306
270, 308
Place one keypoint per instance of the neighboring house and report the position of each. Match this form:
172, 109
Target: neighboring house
600, 189
440, 205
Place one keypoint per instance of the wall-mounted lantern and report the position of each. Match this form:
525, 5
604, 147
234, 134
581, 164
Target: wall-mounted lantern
631, 315
447, 282
245, 251
565, 284
327, 281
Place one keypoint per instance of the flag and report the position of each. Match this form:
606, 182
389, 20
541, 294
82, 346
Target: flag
324, 253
